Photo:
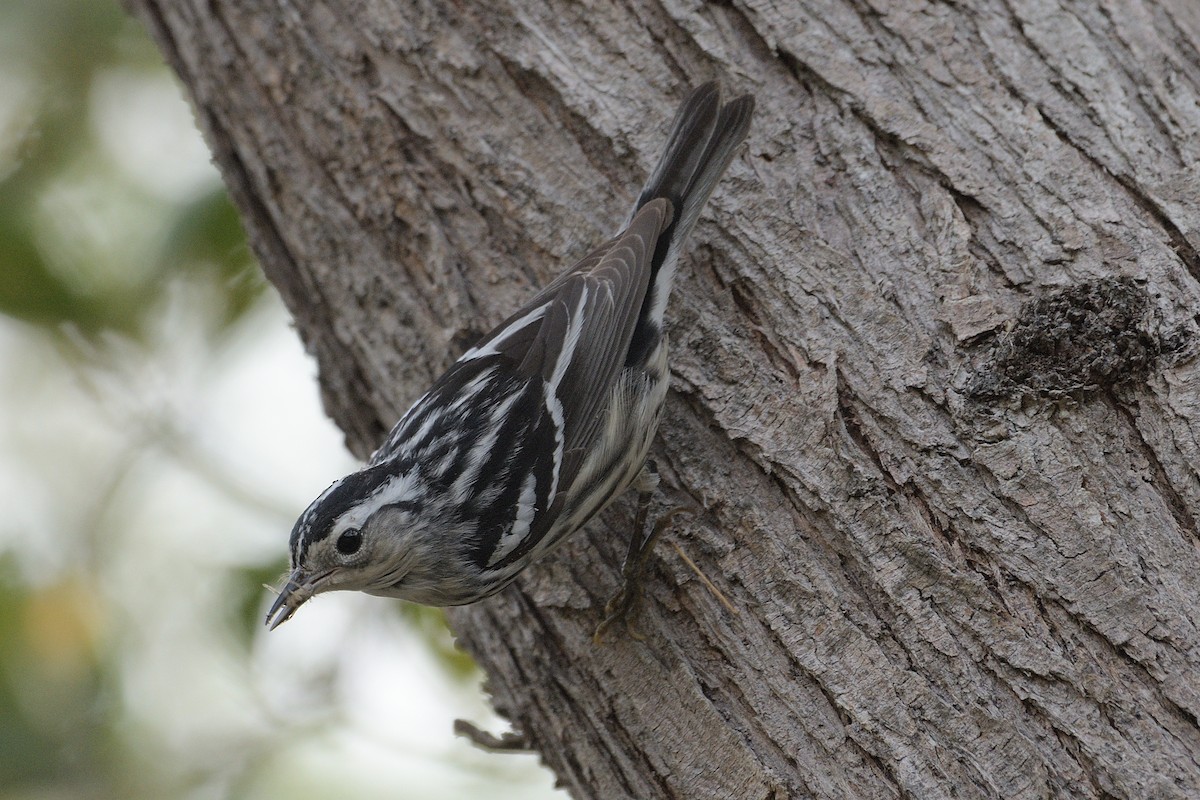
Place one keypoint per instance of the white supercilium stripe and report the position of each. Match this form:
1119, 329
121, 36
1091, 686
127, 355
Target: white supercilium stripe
526, 509
396, 489
553, 404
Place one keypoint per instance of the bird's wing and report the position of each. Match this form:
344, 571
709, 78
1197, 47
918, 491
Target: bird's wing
573, 336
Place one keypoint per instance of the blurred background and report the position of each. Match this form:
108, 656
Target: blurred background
160, 430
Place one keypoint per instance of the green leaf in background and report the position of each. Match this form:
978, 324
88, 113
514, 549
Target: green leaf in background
207, 234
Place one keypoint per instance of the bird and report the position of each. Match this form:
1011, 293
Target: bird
537, 427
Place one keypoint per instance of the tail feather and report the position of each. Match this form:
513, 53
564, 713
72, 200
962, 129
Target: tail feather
691, 130
704, 137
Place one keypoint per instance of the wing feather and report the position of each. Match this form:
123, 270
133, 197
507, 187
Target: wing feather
601, 306
573, 337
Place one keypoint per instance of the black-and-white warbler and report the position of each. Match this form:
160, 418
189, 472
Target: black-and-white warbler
537, 427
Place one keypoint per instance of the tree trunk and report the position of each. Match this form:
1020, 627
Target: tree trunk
934, 400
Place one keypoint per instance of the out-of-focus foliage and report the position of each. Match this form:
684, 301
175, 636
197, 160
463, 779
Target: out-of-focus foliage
82, 239
159, 431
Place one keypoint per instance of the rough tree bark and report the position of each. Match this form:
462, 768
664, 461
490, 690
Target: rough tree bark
934, 397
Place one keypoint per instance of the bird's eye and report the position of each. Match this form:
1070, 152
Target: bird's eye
349, 542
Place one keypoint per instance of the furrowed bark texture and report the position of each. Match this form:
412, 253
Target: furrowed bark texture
935, 401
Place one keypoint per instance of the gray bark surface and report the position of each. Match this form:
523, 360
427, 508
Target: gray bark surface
935, 400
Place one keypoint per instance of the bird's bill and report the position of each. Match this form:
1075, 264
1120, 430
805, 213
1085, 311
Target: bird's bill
298, 589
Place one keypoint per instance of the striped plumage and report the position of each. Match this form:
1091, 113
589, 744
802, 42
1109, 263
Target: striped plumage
537, 427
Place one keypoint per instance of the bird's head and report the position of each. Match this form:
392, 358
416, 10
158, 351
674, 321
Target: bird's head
366, 532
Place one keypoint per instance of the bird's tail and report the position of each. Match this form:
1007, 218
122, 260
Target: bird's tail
704, 137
